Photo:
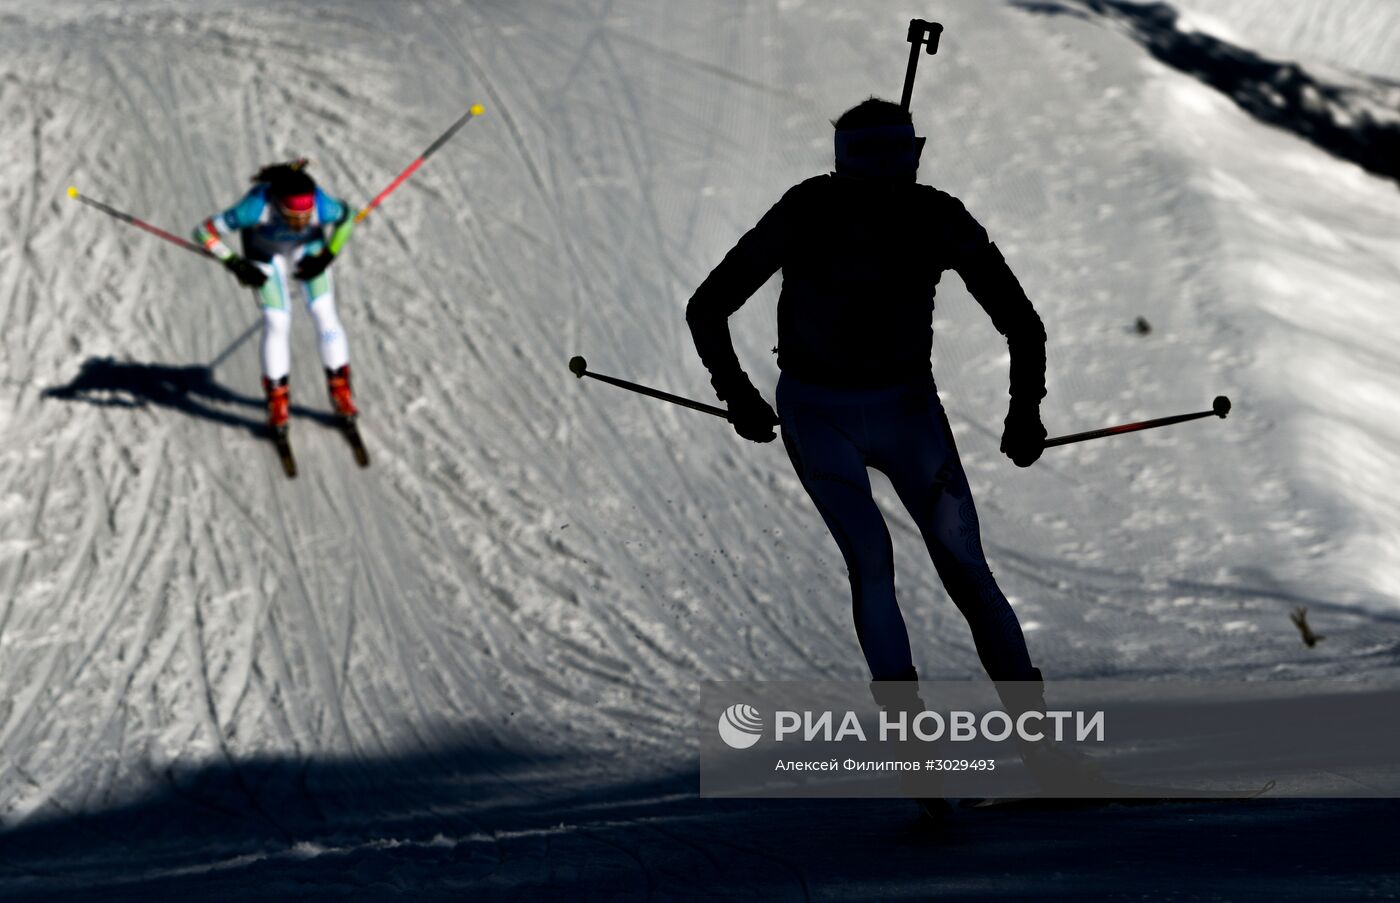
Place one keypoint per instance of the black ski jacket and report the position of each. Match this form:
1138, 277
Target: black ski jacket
861, 261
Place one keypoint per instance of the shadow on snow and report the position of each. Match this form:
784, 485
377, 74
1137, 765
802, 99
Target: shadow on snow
1334, 118
192, 390
474, 821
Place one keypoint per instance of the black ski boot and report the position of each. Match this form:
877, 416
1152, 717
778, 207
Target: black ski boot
902, 695
1052, 764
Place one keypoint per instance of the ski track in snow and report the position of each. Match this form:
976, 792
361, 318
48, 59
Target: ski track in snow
473, 665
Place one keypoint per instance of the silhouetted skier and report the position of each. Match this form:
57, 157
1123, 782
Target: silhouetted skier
862, 250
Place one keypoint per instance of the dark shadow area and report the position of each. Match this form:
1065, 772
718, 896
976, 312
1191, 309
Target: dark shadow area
1335, 118
483, 821
192, 390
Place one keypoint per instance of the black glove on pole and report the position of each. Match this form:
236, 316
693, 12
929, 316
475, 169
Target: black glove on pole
247, 272
756, 420
1023, 438
311, 267
753, 418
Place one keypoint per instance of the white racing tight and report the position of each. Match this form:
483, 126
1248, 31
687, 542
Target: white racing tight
275, 300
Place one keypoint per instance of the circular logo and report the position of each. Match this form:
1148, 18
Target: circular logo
740, 726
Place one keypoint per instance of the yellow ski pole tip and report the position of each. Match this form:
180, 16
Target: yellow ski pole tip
72, 192
477, 109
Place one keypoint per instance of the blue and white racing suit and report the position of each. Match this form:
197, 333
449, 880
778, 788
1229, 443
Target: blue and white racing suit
275, 248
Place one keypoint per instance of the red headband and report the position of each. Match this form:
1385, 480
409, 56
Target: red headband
297, 203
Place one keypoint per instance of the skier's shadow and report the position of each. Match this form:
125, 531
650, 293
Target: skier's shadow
192, 390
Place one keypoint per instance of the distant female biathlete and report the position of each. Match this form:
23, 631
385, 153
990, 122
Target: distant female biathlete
283, 223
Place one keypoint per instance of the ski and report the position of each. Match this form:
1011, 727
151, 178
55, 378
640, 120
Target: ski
281, 439
350, 429
1125, 795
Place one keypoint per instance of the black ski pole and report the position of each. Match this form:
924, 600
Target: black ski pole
233, 346
921, 34
579, 367
1219, 408
140, 224
475, 110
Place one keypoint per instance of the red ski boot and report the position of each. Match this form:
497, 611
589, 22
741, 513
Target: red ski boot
338, 382
279, 403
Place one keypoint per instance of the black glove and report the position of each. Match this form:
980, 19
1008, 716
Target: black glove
247, 272
311, 267
751, 416
1024, 437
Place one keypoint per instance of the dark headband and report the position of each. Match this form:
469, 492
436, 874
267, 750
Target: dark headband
878, 152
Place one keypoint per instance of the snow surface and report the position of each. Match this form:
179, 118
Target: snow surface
1361, 35
470, 670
